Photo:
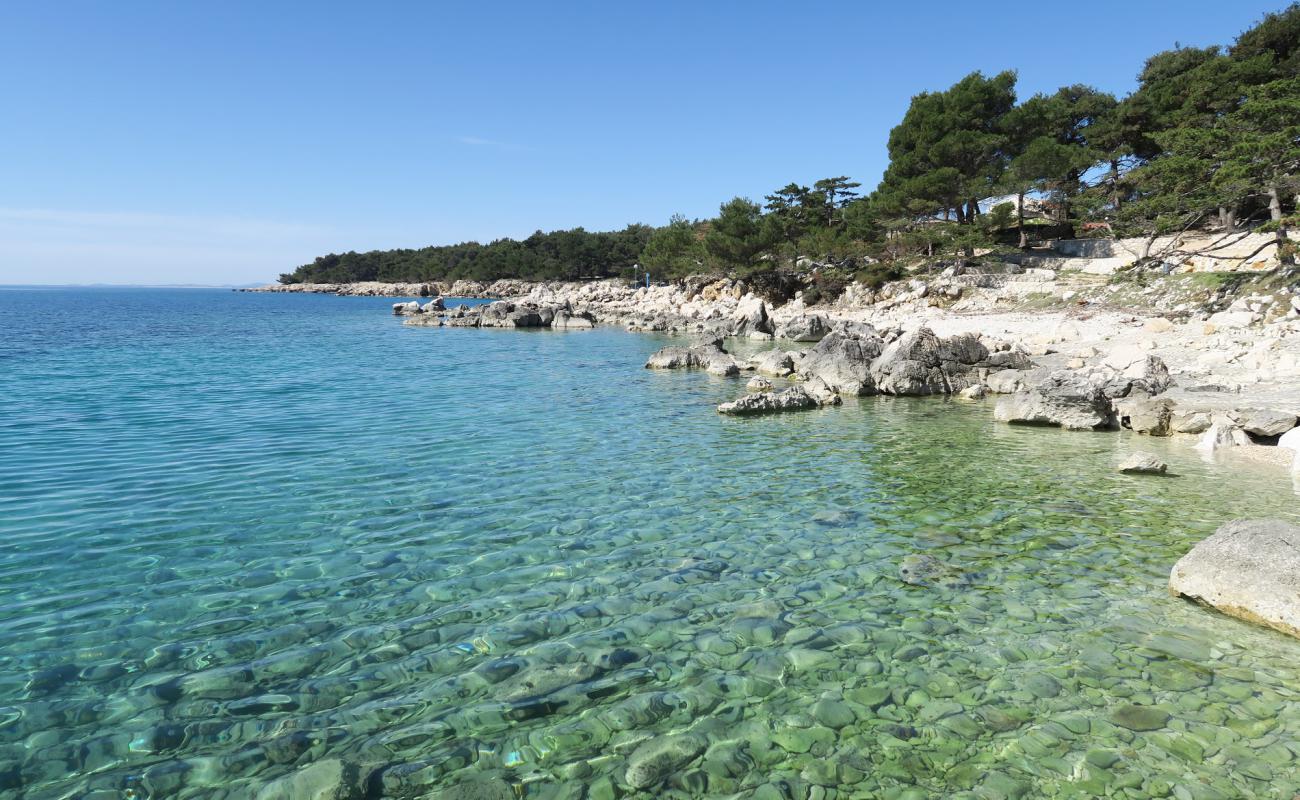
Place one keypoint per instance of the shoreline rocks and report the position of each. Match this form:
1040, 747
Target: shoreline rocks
1249, 569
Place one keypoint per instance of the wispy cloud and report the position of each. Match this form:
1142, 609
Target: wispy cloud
478, 141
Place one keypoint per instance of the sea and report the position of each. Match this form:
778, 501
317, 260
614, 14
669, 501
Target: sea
283, 546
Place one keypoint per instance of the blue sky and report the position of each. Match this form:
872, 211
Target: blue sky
228, 142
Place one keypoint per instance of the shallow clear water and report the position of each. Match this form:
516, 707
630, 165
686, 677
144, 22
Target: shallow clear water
244, 534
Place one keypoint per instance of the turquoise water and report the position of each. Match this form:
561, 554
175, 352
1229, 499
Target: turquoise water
247, 537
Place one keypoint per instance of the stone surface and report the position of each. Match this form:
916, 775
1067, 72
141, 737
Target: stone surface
843, 359
1065, 399
804, 328
1267, 422
708, 356
1143, 463
795, 398
1248, 569
1191, 421
774, 363
1139, 718
1152, 416
657, 759
323, 780
920, 363
759, 384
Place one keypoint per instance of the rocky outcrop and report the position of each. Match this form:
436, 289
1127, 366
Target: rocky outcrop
1065, 399
751, 318
920, 363
1248, 569
843, 359
708, 356
800, 397
403, 309
567, 320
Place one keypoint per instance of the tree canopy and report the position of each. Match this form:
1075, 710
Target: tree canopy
1210, 136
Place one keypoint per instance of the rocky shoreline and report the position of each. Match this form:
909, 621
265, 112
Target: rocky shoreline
1229, 384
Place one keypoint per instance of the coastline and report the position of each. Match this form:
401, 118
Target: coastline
1225, 368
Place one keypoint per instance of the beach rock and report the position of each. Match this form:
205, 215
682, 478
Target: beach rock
566, 320
775, 363
751, 318
1148, 376
1143, 464
759, 384
1065, 399
1290, 440
977, 392
403, 309
1222, 434
657, 759
708, 356
1248, 569
433, 306
1153, 417
920, 363
1266, 422
796, 398
804, 328
1191, 421
1007, 381
843, 359
322, 780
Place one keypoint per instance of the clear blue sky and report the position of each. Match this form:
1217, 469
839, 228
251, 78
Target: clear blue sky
225, 142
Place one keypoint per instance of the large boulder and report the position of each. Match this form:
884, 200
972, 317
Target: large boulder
920, 363
751, 317
1266, 422
1152, 416
568, 320
1248, 569
1065, 399
804, 328
843, 359
1143, 464
405, 309
774, 363
708, 356
1145, 375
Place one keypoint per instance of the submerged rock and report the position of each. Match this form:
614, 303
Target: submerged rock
1248, 569
1139, 718
1144, 464
324, 780
759, 384
655, 760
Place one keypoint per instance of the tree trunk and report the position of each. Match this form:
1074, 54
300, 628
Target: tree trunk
1285, 249
1115, 198
961, 213
1227, 218
1020, 220
1146, 246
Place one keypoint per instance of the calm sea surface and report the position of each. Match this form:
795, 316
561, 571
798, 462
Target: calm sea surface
282, 546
